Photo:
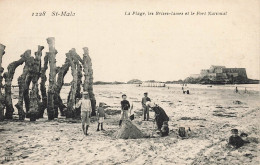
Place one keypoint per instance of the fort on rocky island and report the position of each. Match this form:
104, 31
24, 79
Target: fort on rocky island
221, 74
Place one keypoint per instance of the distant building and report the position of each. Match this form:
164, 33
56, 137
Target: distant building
221, 73
153, 84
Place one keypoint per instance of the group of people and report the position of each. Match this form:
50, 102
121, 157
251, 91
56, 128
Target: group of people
185, 89
236, 90
161, 117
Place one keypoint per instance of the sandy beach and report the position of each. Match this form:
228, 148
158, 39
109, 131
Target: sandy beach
210, 112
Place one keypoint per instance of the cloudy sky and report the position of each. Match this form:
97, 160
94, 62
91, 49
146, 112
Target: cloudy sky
124, 47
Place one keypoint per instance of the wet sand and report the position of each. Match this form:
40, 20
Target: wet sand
210, 113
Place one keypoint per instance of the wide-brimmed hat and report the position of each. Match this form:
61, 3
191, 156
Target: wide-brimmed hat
150, 104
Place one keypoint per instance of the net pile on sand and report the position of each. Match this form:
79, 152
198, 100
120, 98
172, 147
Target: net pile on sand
128, 131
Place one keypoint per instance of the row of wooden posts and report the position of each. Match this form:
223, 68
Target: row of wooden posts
34, 73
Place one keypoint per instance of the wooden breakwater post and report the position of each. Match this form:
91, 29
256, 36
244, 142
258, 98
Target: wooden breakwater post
8, 76
34, 93
2, 98
24, 81
52, 77
88, 79
72, 94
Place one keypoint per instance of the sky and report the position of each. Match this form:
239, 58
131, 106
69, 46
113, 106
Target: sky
123, 47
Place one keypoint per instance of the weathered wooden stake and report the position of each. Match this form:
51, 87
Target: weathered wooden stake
22, 84
8, 76
55, 97
34, 93
77, 61
52, 77
26, 87
72, 95
2, 98
43, 103
88, 79
60, 81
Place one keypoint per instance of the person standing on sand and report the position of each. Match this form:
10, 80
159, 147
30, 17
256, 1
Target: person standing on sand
145, 108
125, 105
160, 115
86, 109
245, 90
183, 90
100, 116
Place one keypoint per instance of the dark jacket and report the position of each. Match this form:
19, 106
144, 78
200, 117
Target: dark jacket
125, 105
236, 141
144, 100
160, 116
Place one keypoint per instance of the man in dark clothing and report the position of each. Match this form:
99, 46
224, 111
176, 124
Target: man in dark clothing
160, 115
235, 140
125, 105
145, 108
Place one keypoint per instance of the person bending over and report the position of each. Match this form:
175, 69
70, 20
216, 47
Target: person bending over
160, 115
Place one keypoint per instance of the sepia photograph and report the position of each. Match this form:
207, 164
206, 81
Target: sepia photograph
122, 82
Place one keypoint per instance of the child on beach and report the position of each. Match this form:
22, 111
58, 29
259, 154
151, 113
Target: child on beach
165, 129
236, 90
85, 104
145, 108
125, 105
235, 140
100, 116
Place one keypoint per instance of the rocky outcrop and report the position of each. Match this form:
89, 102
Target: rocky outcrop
219, 75
134, 81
